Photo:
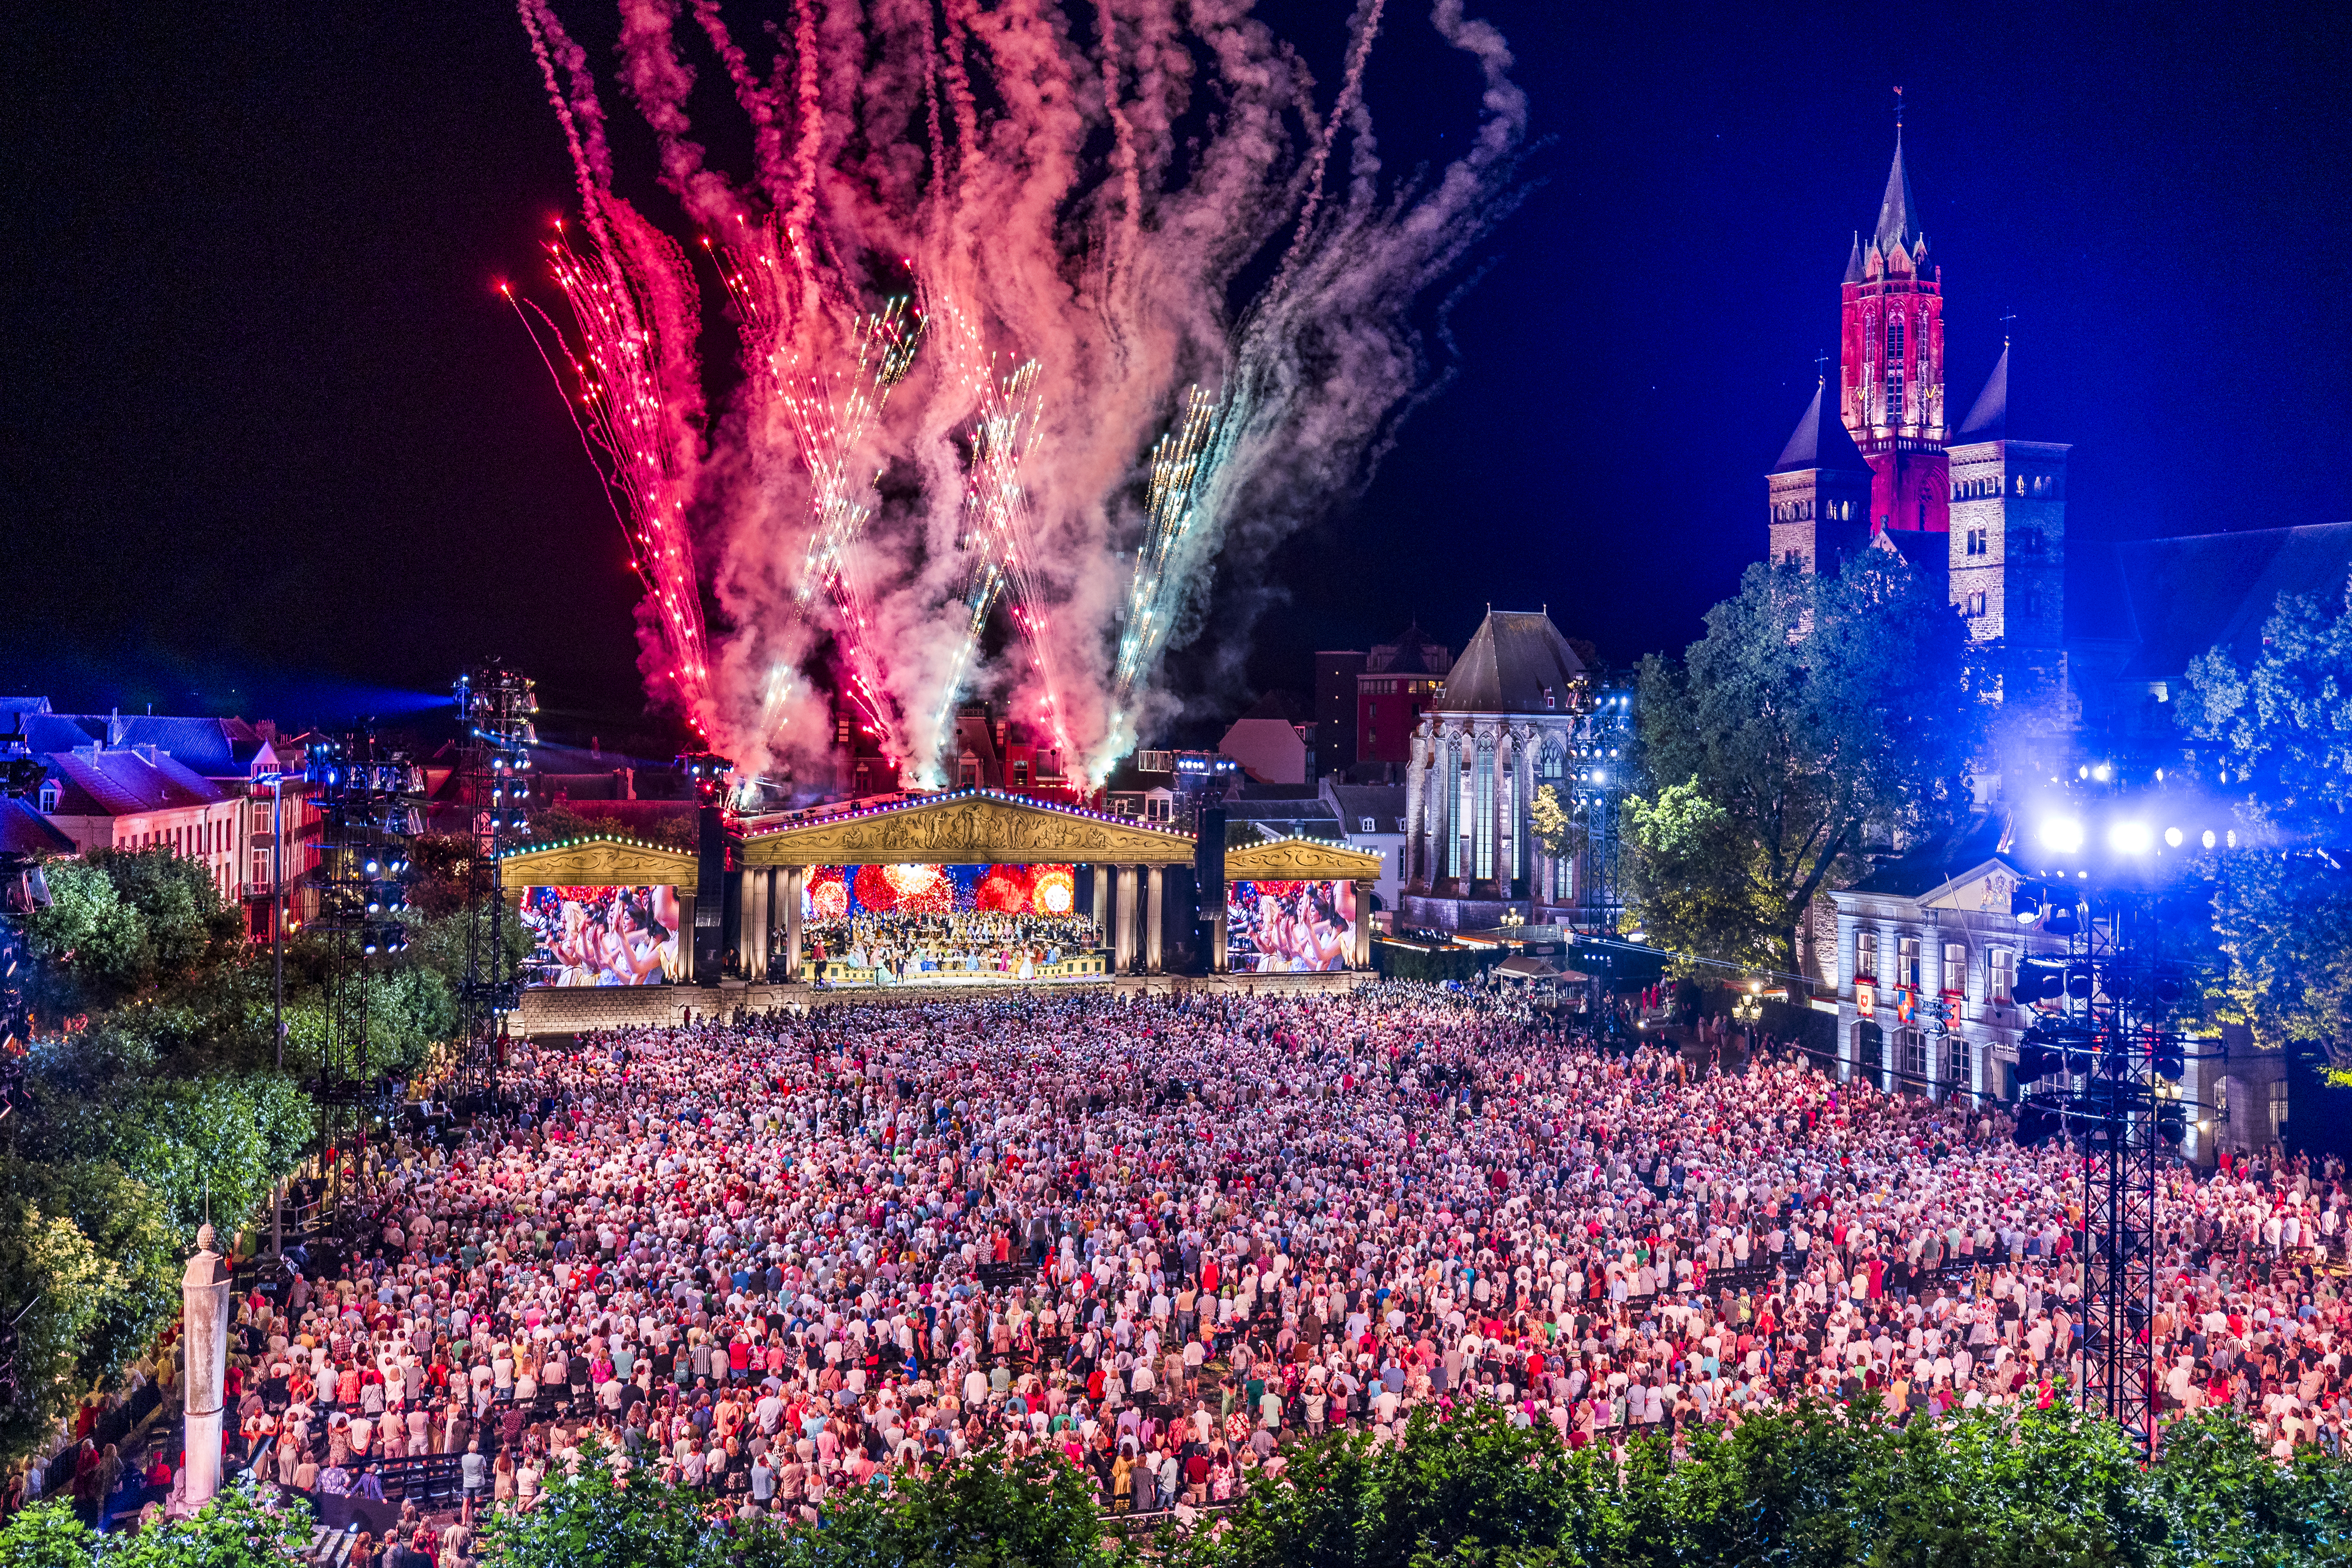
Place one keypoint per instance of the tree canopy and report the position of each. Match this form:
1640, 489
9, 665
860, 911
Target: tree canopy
1816, 714
2275, 739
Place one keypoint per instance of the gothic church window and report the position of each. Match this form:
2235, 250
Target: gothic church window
1977, 545
1976, 605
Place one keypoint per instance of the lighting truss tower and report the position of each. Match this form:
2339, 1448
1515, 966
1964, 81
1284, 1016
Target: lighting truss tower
369, 799
1600, 761
496, 705
2100, 1073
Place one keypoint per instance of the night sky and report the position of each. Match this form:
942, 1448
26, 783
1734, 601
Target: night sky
273, 444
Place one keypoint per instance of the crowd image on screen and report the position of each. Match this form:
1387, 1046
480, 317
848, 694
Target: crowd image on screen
601, 936
1289, 928
779, 1256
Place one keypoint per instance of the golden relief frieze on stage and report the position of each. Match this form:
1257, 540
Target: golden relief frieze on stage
962, 831
1300, 860
599, 863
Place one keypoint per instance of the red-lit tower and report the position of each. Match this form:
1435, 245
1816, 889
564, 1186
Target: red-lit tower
1891, 380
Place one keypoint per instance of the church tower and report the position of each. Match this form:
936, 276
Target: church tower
2009, 540
1891, 370
1818, 494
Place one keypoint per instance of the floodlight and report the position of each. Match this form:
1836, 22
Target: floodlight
2209, 838
2172, 837
2130, 838
2061, 833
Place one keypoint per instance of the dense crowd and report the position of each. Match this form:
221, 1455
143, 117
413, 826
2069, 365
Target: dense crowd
781, 1256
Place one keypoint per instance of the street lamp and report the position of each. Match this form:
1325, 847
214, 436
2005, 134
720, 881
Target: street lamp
276, 779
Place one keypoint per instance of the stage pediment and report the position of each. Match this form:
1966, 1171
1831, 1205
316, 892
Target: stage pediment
970, 827
1300, 860
599, 863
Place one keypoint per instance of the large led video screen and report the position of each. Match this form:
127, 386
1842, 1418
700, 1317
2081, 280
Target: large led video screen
602, 936
1289, 928
844, 892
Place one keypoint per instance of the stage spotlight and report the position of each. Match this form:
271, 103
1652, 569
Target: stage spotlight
2061, 833
2130, 838
2062, 921
2026, 904
2172, 837
2209, 838
2103, 772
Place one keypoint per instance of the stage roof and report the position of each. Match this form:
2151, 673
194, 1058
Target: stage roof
599, 863
1300, 860
968, 827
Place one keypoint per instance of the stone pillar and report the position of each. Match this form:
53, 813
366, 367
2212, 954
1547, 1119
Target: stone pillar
1153, 918
1362, 957
1123, 913
794, 877
204, 1335
752, 923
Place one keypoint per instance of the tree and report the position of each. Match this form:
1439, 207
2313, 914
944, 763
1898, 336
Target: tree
123, 923
2275, 739
1554, 832
236, 1530
1814, 709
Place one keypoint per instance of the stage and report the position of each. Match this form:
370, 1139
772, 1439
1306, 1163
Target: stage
572, 1011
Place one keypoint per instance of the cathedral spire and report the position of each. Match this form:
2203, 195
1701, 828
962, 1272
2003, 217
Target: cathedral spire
1854, 261
1899, 219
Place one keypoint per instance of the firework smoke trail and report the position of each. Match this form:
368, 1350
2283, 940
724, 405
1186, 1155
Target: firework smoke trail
633, 305
1088, 206
999, 530
1179, 462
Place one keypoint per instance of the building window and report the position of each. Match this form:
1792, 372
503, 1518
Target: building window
1368, 824
1955, 1064
1976, 542
1794, 558
1976, 603
2278, 1107
1484, 809
1893, 339
1020, 775
1866, 955
1906, 962
2001, 974
1955, 978
2222, 1100
1913, 1054
53, 795
1894, 396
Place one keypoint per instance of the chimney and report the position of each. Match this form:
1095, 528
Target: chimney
628, 784
115, 727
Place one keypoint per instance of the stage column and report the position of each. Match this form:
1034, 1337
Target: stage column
1217, 938
1362, 957
752, 921
794, 876
1123, 913
1152, 919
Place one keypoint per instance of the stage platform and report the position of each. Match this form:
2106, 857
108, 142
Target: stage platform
570, 1010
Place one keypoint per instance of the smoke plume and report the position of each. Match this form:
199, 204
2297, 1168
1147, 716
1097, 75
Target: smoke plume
1001, 417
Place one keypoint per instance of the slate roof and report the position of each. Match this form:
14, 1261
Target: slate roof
1513, 656
1988, 418
1925, 870
1384, 803
1898, 215
2188, 595
24, 831
98, 781
212, 748
1406, 656
1820, 441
